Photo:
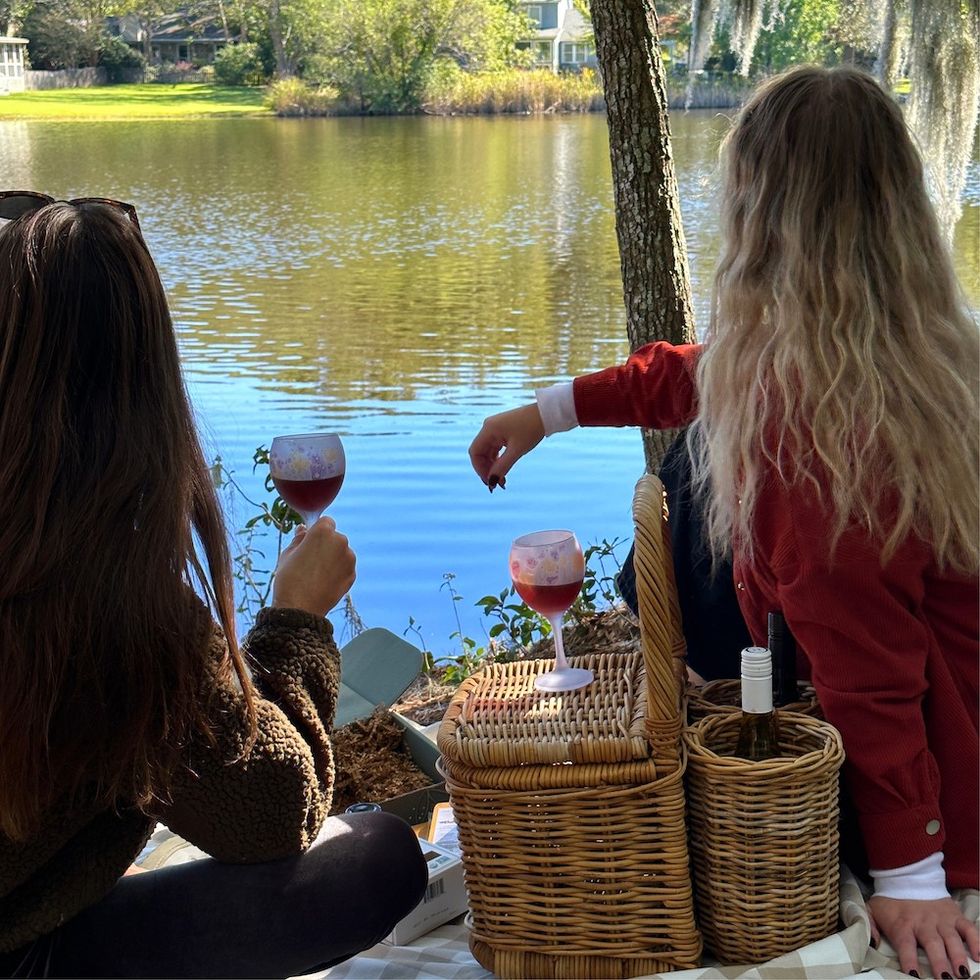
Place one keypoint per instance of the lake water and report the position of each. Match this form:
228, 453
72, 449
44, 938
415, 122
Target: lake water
396, 280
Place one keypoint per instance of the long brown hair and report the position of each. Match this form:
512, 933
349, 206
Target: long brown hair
840, 349
103, 488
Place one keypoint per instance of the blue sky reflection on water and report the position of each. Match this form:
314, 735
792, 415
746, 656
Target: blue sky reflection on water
396, 280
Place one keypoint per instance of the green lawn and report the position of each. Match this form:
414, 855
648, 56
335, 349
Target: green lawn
153, 101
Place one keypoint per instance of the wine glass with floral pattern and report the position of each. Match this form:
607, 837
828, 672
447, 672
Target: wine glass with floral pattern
308, 471
547, 569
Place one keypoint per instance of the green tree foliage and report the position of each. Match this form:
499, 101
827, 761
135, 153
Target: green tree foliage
239, 64
120, 60
64, 33
12, 13
806, 32
382, 54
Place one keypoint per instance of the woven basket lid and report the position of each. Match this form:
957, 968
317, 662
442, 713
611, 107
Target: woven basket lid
499, 719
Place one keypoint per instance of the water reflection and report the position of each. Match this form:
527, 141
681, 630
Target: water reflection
396, 280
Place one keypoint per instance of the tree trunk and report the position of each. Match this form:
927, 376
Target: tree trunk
283, 67
224, 23
885, 66
652, 253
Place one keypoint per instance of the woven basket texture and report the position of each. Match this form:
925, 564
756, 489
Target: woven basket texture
570, 807
725, 697
764, 837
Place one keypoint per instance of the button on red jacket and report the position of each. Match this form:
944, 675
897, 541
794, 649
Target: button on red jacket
892, 649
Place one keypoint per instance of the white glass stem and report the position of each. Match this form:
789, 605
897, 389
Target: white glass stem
560, 661
310, 517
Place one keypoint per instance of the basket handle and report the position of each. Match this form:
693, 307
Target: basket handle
661, 637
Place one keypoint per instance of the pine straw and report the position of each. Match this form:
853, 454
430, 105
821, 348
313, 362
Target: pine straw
372, 763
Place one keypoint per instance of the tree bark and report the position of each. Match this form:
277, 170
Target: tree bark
885, 66
283, 67
652, 253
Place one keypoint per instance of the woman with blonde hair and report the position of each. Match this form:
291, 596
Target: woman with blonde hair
834, 433
123, 702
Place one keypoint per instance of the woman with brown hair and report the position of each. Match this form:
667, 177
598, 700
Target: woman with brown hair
123, 702
834, 437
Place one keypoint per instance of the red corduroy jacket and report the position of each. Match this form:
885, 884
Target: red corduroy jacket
892, 649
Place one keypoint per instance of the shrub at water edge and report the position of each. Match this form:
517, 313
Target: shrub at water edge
514, 91
293, 97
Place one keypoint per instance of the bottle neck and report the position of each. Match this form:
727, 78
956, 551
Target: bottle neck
757, 695
756, 680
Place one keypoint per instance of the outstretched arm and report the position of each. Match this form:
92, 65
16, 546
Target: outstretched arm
654, 388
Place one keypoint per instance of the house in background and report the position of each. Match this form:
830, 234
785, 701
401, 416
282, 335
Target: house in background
173, 38
563, 39
12, 51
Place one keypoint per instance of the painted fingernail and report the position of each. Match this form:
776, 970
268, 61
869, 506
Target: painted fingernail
874, 943
965, 972
503, 483
914, 973
947, 976
492, 482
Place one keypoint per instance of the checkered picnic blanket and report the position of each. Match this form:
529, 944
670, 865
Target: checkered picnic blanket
444, 953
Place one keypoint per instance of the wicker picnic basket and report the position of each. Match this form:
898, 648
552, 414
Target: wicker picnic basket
764, 837
570, 807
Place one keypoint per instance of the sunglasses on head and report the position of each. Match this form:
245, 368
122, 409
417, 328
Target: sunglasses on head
15, 203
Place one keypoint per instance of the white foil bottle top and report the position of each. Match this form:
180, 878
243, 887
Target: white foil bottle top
756, 680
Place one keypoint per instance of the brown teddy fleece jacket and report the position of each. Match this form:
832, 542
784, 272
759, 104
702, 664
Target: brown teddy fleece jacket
268, 804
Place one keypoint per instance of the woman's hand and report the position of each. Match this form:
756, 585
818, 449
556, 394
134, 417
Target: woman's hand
516, 432
939, 927
316, 571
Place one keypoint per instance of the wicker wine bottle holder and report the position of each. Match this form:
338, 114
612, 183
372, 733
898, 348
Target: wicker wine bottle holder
764, 837
725, 697
570, 807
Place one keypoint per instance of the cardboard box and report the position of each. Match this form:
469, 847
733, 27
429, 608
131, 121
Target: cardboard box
444, 899
442, 829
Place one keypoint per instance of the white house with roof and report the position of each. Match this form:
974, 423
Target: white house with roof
12, 52
563, 38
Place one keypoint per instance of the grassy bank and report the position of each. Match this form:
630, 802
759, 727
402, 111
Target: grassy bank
134, 102
515, 91
462, 93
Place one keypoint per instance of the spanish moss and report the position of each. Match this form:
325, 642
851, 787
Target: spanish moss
944, 71
704, 18
746, 21
933, 42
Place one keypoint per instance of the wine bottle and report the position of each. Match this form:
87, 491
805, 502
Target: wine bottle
758, 735
782, 646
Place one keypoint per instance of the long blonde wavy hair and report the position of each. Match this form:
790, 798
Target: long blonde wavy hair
840, 351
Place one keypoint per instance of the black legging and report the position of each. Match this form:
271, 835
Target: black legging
278, 919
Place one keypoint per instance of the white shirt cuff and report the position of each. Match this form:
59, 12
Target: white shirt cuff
556, 404
924, 880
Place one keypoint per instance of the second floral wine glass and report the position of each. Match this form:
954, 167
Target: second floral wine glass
547, 568
308, 471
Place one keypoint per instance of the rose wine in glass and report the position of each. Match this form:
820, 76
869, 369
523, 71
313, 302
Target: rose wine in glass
547, 569
308, 471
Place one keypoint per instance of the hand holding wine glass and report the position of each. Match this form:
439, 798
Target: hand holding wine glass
316, 571
547, 568
308, 471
